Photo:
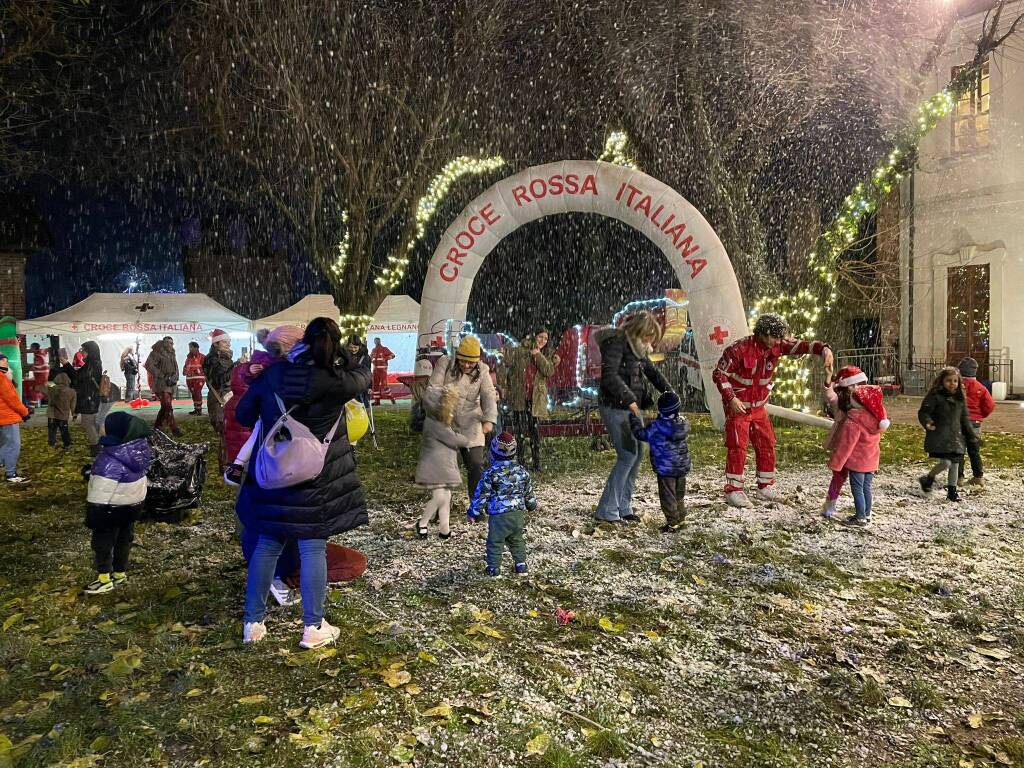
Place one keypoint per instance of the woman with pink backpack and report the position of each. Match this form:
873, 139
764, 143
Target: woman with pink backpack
310, 390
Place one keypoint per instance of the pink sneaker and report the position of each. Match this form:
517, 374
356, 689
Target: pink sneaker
318, 637
254, 632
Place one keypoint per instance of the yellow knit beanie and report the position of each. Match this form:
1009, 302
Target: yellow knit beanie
469, 349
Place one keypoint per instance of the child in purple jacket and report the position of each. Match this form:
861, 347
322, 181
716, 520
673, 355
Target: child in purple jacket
117, 493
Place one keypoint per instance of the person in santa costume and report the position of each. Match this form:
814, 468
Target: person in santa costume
744, 378
379, 358
856, 439
40, 375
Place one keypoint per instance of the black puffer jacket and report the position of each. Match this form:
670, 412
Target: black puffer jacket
86, 380
953, 428
331, 503
623, 372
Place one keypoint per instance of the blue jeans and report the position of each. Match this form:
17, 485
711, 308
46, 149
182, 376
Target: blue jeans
312, 578
617, 498
10, 448
860, 487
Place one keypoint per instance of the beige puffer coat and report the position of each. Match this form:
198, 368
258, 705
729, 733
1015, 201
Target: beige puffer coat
477, 403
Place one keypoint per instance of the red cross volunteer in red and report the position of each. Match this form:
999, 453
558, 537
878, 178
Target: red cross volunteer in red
379, 357
744, 377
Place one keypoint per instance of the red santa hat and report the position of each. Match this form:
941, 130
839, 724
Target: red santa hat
219, 335
850, 375
870, 398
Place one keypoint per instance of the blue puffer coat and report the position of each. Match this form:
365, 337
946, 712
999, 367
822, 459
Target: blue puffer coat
117, 485
504, 487
331, 503
670, 455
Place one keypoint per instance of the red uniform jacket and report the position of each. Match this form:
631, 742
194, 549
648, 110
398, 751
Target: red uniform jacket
747, 367
979, 402
193, 368
380, 356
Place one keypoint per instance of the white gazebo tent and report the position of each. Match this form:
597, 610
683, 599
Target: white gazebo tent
396, 323
119, 320
301, 312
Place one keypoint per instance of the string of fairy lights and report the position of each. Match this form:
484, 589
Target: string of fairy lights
393, 272
804, 308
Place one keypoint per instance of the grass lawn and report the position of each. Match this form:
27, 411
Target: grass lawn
759, 638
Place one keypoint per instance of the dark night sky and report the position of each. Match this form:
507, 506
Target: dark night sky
559, 270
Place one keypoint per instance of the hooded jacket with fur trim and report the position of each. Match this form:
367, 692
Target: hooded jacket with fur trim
625, 363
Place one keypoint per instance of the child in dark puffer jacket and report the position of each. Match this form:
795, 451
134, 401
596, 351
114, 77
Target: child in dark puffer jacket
505, 493
117, 492
670, 456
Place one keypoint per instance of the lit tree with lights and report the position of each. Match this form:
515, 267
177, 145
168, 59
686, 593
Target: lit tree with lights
346, 117
805, 307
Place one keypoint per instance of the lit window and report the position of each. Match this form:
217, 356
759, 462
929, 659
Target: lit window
971, 118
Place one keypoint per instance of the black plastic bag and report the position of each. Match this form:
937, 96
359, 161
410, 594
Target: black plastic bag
176, 478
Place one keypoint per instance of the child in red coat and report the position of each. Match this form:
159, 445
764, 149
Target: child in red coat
979, 407
856, 445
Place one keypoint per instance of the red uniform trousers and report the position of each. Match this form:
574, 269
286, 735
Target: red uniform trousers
195, 388
741, 429
380, 386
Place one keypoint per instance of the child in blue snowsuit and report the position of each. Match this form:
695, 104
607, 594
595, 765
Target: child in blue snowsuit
670, 456
505, 493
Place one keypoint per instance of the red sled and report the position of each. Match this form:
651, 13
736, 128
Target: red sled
343, 564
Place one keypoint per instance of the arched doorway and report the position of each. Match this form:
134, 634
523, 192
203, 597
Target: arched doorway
659, 212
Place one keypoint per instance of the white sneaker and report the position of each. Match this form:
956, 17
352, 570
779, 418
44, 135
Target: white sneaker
738, 499
768, 493
254, 632
318, 637
283, 594
828, 510
18, 480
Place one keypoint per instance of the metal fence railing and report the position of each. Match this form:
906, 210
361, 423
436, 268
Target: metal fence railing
881, 364
919, 375
884, 366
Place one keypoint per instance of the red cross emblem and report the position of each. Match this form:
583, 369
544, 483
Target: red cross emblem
718, 335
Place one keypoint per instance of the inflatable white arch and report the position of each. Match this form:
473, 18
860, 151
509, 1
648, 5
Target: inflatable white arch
662, 214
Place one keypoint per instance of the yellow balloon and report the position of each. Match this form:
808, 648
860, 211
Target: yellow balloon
356, 420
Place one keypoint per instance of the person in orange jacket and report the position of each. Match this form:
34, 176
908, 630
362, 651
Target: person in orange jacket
979, 407
12, 413
744, 377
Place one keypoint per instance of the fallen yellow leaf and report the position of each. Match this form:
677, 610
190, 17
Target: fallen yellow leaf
483, 629
258, 698
538, 745
395, 677
610, 626
444, 709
